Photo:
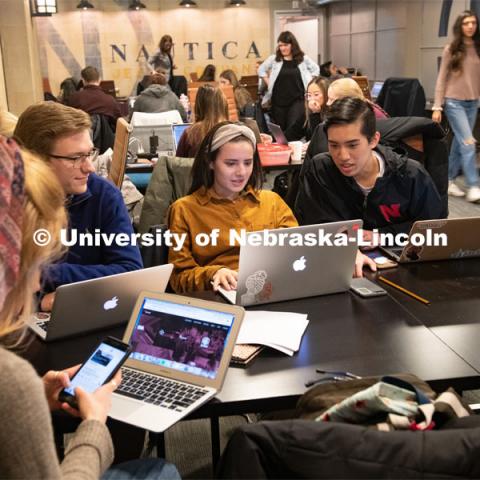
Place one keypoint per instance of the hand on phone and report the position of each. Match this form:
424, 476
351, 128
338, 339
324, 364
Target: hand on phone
96, 405
88, 394
54, 382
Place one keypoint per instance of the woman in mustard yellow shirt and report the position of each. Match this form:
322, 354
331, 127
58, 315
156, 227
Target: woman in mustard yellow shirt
225, 194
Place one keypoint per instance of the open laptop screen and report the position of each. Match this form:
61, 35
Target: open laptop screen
377, 86
181, 337
178, 132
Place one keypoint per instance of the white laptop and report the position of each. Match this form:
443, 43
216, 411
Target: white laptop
181, 351
268, 274
98, 303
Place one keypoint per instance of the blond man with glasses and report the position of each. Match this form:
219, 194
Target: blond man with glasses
61, 136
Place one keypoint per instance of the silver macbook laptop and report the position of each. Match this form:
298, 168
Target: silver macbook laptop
269, 273
98, 303
277, 133
460, 237
181, 351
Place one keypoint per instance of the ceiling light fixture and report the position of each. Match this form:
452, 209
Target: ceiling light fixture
84, 5
237, 3
188, 3
136, 5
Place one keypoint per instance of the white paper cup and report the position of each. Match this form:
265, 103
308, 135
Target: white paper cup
296, 148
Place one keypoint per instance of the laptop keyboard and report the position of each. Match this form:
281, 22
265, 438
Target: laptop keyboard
158, 391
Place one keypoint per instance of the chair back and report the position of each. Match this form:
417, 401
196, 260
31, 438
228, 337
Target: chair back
250, 82
108, 86
171, 179
227, 91
120, 149
363, 84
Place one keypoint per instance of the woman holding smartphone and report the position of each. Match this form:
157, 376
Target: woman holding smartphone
458, 90
32, 199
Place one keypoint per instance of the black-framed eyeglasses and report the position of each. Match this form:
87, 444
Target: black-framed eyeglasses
75, 161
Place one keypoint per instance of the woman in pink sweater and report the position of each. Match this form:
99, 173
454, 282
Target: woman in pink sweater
458, 90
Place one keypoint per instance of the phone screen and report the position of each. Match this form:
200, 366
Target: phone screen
104, 361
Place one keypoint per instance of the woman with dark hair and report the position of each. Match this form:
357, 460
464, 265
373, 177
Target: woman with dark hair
287, 74
243, 100
208, 74
210, 108
458, 89
163, 57
315, 106
225, 194
67, 88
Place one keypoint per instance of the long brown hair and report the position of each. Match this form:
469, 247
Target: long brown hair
458, 47
211, 107
202, 174
289, 37
242, 97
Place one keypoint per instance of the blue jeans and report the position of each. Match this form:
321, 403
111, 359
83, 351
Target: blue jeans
462, 115
143, 469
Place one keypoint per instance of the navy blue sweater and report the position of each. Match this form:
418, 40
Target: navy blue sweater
100, 207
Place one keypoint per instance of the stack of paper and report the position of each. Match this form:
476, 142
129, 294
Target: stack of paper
280, 330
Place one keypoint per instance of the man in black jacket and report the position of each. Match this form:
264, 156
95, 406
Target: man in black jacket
360, 179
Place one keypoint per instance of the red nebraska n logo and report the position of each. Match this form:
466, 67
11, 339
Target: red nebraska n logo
392, 211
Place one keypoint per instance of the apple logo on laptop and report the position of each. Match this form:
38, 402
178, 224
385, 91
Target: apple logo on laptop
299, 264
110, 304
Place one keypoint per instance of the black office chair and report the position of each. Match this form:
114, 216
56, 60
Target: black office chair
402, 97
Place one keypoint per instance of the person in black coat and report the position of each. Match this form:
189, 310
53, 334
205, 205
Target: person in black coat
360, 179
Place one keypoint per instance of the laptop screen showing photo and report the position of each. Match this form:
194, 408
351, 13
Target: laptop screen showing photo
180, 337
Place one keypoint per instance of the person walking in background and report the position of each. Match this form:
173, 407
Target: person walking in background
287, 74
458, 90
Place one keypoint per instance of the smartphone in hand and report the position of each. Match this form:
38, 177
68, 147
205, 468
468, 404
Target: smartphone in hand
100, 367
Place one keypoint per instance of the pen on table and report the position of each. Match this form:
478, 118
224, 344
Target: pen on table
404, 290
338, 373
